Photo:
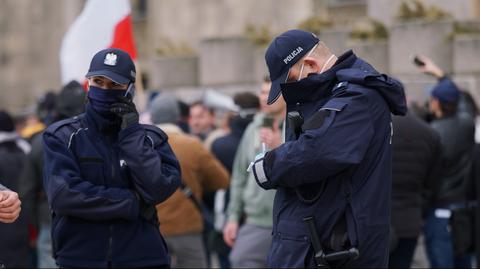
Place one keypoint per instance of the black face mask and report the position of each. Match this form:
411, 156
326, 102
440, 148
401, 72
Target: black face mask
101, 100
316, 86
311, 88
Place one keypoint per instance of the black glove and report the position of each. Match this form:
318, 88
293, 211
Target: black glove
147, 212
125, 109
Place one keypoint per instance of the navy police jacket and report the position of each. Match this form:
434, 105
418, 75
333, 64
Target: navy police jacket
93, 179
338, 168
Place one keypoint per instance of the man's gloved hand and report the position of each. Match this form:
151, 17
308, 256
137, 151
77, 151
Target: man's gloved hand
125, 109
147, 212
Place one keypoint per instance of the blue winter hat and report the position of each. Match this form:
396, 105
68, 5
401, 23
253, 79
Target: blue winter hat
446, 91
284, 51
115, 64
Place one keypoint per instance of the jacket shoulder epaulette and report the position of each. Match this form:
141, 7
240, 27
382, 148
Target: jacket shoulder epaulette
156, 134
64, 127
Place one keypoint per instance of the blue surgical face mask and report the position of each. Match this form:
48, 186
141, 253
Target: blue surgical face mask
101, 100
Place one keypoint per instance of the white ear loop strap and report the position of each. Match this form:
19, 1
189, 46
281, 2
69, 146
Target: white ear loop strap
326, 63
303, 64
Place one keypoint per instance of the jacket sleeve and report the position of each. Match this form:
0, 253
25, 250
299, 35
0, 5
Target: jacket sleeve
2, 188
340, 142
239, 177
212, 173
70, 194
154, 168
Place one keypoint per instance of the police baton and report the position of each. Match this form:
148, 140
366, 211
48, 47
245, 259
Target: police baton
317, 247
321, 259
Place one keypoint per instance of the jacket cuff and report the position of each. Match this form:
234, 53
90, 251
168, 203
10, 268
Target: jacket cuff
233, 217
261, 175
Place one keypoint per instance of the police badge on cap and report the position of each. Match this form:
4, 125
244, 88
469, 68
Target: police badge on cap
113, 63
110, 59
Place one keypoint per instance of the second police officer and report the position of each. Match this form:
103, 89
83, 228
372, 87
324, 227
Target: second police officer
334, 171
104, 173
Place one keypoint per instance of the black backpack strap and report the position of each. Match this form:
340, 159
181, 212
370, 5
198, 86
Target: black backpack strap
187, 191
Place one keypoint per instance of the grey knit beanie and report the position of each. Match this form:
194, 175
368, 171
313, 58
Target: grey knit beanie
164, 109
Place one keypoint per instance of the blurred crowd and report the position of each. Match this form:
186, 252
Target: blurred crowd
219, 216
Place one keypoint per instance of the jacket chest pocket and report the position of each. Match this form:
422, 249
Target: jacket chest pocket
92, 169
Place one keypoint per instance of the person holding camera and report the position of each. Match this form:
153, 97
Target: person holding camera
104, 173
448, 224
333, 174
249, 214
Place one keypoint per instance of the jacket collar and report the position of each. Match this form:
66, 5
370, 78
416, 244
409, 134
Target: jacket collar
101, 124
318, 86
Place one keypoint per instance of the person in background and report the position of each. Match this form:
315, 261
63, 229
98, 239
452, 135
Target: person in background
184, 116
35, 122
10, 208
225, 148
445, 227
46, 107
202, 120
251, 241
202, 124
14, 246
69, 103
181, 214
416, 160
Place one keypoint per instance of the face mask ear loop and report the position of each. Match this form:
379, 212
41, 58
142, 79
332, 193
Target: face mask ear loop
326, 63
303, 64
301, 71
130, 90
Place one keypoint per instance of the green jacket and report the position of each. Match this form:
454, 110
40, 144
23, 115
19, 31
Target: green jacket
245, 194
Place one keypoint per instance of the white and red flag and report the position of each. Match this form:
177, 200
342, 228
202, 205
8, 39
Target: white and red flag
102, 24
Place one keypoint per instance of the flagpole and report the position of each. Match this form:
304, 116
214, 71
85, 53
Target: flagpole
140, 95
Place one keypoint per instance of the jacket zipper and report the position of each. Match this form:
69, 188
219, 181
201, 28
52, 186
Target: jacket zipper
110, 242
110, 236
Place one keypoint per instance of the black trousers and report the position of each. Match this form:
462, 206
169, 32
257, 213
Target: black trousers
402, 255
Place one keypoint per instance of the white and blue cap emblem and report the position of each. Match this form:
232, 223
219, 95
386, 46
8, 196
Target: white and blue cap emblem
113, 63
110, 59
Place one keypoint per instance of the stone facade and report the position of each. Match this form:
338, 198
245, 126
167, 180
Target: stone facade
386, 10
31, 32
30, 38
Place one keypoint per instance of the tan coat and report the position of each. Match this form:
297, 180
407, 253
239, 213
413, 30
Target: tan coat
200, 171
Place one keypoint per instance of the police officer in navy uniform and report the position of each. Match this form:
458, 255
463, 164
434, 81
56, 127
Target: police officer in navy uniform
334, 170
105, 172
